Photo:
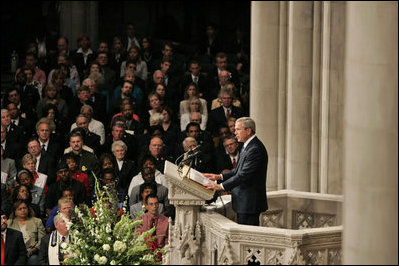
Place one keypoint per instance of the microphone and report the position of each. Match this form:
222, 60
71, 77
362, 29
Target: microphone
197, 149
192, 153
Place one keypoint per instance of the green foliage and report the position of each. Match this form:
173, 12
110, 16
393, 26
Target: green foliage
107, 238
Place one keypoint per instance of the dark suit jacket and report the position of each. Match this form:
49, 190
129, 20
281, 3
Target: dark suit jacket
54, 149
217, 117
47, 166
128, 170
15, 248
79, 62
247, 181
99, 107
43, 253
203, 84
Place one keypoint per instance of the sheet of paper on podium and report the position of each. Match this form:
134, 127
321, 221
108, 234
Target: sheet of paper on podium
198, 177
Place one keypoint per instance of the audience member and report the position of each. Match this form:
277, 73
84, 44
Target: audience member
153, 218
50, 251
22, 219
66, 181
12, 241
125, 169
8, 171
138, 209
95, 126
24, 177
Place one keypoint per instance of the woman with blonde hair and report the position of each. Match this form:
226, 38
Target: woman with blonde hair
192, 90
51, 96
195, 106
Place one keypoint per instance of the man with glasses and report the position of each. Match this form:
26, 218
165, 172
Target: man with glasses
220, 115
45, 164
48, 144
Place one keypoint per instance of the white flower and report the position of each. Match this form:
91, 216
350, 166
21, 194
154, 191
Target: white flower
63, 245
96, 257
106, 247
103, 260
112, 262
108, 228
119, 246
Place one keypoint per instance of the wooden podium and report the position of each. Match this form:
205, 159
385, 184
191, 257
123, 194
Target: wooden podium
185, 235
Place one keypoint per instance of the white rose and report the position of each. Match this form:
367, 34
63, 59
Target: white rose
103, 260
106, 247
96, 257
112, 262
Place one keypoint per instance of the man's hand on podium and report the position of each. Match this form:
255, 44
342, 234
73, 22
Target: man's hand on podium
213, 177
213, 186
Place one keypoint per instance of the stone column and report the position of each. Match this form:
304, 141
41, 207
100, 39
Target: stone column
77, 18
267, 102
370, 152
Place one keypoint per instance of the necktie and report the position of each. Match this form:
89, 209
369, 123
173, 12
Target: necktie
234, 162
196, 80
43, 149
227, 113
63, 239
3, 256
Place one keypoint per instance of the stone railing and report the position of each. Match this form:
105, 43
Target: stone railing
298, 228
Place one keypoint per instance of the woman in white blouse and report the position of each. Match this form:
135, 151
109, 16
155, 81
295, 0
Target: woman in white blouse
192, 90
195, 106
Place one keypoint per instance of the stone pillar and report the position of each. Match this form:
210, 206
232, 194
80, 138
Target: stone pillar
267, 101
77, 18
370, 152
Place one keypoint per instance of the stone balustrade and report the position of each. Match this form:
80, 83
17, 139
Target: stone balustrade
298, 228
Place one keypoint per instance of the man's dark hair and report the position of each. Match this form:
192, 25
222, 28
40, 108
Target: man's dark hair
193, 124
152, 195
151, 185
78, 131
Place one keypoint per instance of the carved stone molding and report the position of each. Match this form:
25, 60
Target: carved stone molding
227, 256
301, 220
272, 218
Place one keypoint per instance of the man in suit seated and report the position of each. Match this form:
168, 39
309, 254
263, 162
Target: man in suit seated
13, 249
50, 250
247, 182
220, 115
45, 164
228, 160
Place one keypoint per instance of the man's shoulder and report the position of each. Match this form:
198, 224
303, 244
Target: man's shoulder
13, 233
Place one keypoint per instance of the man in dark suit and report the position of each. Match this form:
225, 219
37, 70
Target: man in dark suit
47, 143
227, 160
97, 100
197, 77
247, 181
45, 163
13, 249
220, 115
26, 127
11, 149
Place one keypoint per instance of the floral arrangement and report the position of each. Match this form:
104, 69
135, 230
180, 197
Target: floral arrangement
100, 236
